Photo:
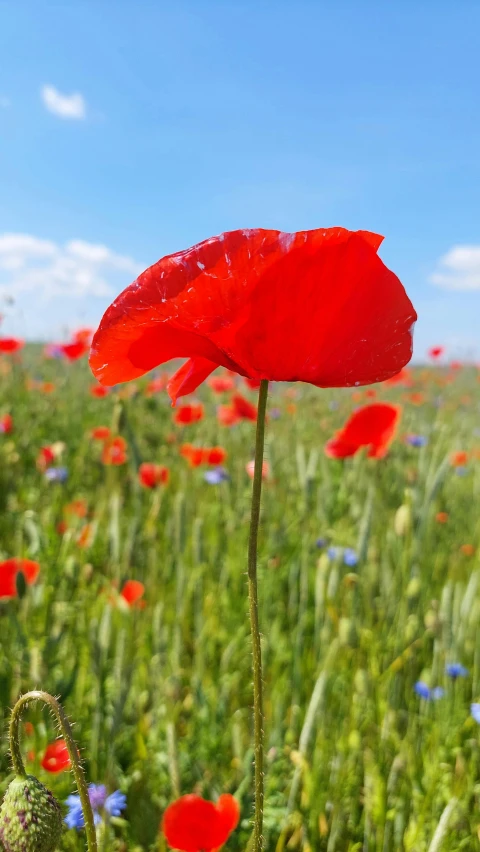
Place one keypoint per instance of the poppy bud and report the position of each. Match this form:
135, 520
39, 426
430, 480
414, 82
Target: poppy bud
30, 817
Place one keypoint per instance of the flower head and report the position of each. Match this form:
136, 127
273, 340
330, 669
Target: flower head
114, 451
372, 426
264, 304
216, 476
151, 475
475, 712
132, 592
416, 440
424, 691
192, 824
9, 345
186, 414
56, 474
455, 670
9, 569
6, 424
112, 805
56, 758
436, 352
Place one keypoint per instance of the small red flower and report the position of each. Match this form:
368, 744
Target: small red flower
436, 352
215, 455
156, 385
250, 468
441, 517
243, 409
83, 335
85, 536
416, 398
56, 758
45, 458
99, 391
78, 508
227, 416
372, 426
197, 456
150, 475
114, 451
404, 377
9, 569
191, 824
47, 387
467, 549
74, 351
8, 345
6, 424
132, 591
62, 527
221, 384
315, 306
186, 414
100, 433
459, 459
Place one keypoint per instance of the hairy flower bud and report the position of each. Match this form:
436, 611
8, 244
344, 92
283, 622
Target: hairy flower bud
30, 817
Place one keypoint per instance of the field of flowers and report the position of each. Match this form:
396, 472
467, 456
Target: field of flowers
133, 517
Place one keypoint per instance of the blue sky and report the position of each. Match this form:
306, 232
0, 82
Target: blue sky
129, 130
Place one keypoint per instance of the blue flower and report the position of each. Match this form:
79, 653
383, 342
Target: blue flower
424, 691
333, 553
475, 711
56, 474
113, 805
350, 558
417, 440
215, 476
455, 670
460, 471
275, 413
320, 542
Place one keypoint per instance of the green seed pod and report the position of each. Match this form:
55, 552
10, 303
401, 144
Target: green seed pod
30, 817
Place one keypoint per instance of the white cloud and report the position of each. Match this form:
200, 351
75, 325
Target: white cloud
459, 269
44, 268
65, 106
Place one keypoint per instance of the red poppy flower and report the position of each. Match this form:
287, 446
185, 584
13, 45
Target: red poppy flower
56, 758
372, 426
416, 398
132, 591
45, 457
6, 424
467, 549
459, 459
436, 352
114, 451
315, 306
227, 416
250, 468
215, 455
9, 569
404, 377
191, 824
150, 475
74, 351
85, 536
156, 385
221, 384
78, 508
441, 517
8, 345
46, 387
62, 527
83, 335
99, 391
243, 408
100, 433
187, 414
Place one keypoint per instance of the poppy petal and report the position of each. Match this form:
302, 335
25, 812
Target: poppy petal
189, 377
191, 824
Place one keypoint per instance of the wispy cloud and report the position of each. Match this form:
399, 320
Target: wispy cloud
459, 269
29, 264
65, 106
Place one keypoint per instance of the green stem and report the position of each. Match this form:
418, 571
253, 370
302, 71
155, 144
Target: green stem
254, 625
66, 730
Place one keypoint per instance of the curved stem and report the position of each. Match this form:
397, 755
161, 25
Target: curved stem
254, 624
65, 727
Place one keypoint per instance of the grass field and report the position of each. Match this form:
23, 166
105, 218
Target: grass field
161, 692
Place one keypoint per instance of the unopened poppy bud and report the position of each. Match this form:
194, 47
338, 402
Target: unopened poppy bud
30, 817
403, 518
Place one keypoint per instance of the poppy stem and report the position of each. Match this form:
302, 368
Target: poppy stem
254, 624
65, 727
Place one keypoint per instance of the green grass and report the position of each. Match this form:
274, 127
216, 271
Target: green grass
161, 697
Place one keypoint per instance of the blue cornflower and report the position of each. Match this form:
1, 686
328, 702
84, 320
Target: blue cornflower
424, 691
475, 711
56, 474
215, 476
417, 440
350, 558
275, 413
113, 805
320, 542
333, 553
460, 471
455, 670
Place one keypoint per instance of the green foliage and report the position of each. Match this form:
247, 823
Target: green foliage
161, 696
